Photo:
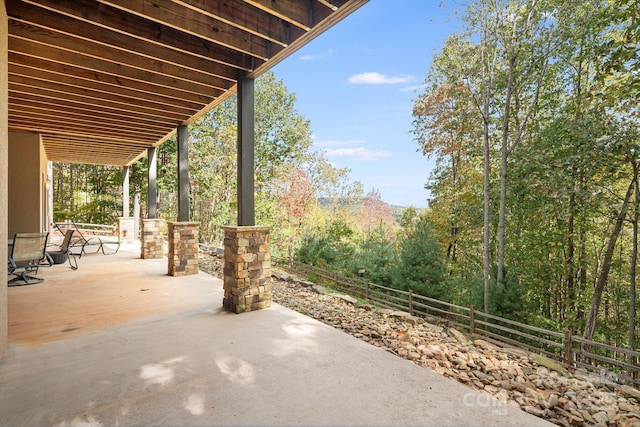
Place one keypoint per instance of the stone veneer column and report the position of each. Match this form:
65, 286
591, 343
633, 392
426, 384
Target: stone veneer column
247, 268
183, 248
125, 229
152, 238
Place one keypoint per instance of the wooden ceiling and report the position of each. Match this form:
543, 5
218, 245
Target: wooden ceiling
103, 80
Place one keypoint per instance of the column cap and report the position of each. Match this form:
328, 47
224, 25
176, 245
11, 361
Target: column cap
245, 228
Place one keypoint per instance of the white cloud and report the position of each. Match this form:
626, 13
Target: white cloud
317, 56
359, 153
378, 79
412, 88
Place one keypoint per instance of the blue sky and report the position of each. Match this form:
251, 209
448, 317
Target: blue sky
356, 84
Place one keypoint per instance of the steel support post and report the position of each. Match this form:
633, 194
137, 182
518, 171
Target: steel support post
246, 142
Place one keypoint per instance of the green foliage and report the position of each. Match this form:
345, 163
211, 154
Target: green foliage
87, 193
421, 267
324, 252
377, 256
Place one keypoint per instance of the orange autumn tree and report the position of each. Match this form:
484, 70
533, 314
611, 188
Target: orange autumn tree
296, 201
376, 214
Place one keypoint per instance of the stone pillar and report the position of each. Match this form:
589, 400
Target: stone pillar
152, 239
183, 248
125, 229
247, 268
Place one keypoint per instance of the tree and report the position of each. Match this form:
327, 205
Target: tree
376, 214
420, 265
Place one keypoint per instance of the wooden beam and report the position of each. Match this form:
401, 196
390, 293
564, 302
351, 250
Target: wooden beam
50, 91
187, 20
245, 17
144, 49
95, 57
295, 12
94, 76
66, 115
80, 108
96, 130
75, 83
17, 113
122, 29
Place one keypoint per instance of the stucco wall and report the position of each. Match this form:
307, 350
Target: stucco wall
27, 177
3, 176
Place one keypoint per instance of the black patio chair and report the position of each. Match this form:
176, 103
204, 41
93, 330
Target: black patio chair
26, 252
62, 253
85, 242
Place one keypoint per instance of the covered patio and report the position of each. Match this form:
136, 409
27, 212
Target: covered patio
107, 82
150, 349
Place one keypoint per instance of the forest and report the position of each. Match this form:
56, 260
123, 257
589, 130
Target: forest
530, 112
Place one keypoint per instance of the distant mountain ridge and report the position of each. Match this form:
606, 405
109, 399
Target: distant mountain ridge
327, 201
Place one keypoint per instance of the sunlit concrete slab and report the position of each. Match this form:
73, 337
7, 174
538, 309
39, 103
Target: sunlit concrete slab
120, 343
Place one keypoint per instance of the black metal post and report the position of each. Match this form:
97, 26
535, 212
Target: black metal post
246, 142
152, 190
183, 173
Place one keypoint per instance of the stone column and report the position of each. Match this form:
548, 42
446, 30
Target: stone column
152, 239
125, 229
183, 248
247, 268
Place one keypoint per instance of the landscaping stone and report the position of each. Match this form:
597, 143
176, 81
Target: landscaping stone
547, 363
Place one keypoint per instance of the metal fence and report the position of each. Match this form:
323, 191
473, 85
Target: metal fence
616, 363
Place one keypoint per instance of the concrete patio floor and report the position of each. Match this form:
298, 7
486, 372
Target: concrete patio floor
120, 343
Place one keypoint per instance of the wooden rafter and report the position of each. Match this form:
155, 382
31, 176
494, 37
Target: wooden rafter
103, 80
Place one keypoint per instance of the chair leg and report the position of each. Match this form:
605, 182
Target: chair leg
74, 264
28, 280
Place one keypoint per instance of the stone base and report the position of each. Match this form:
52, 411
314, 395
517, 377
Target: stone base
183, 248
126, 229
152, 239
247, 269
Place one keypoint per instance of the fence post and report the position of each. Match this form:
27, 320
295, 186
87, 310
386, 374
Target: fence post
410, 302
472, 319
568, 347
366, 291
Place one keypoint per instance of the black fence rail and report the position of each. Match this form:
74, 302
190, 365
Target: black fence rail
614, 363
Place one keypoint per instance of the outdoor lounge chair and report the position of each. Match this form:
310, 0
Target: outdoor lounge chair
26, 252
62, 253
85, 242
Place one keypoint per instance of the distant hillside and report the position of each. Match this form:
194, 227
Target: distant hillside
397, 210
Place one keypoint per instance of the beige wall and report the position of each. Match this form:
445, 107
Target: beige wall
27, 178
4, 147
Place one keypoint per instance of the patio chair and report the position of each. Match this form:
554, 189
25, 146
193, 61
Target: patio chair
26, 252
85, 242
63, 253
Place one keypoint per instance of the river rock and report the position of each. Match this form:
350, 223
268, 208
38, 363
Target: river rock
631, 392
351, 300
319, 289
462, 339
485, 345
547, 363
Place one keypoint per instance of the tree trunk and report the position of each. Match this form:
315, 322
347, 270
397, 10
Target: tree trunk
606, 265
503, 173
632, 277
570, 261
486, 267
